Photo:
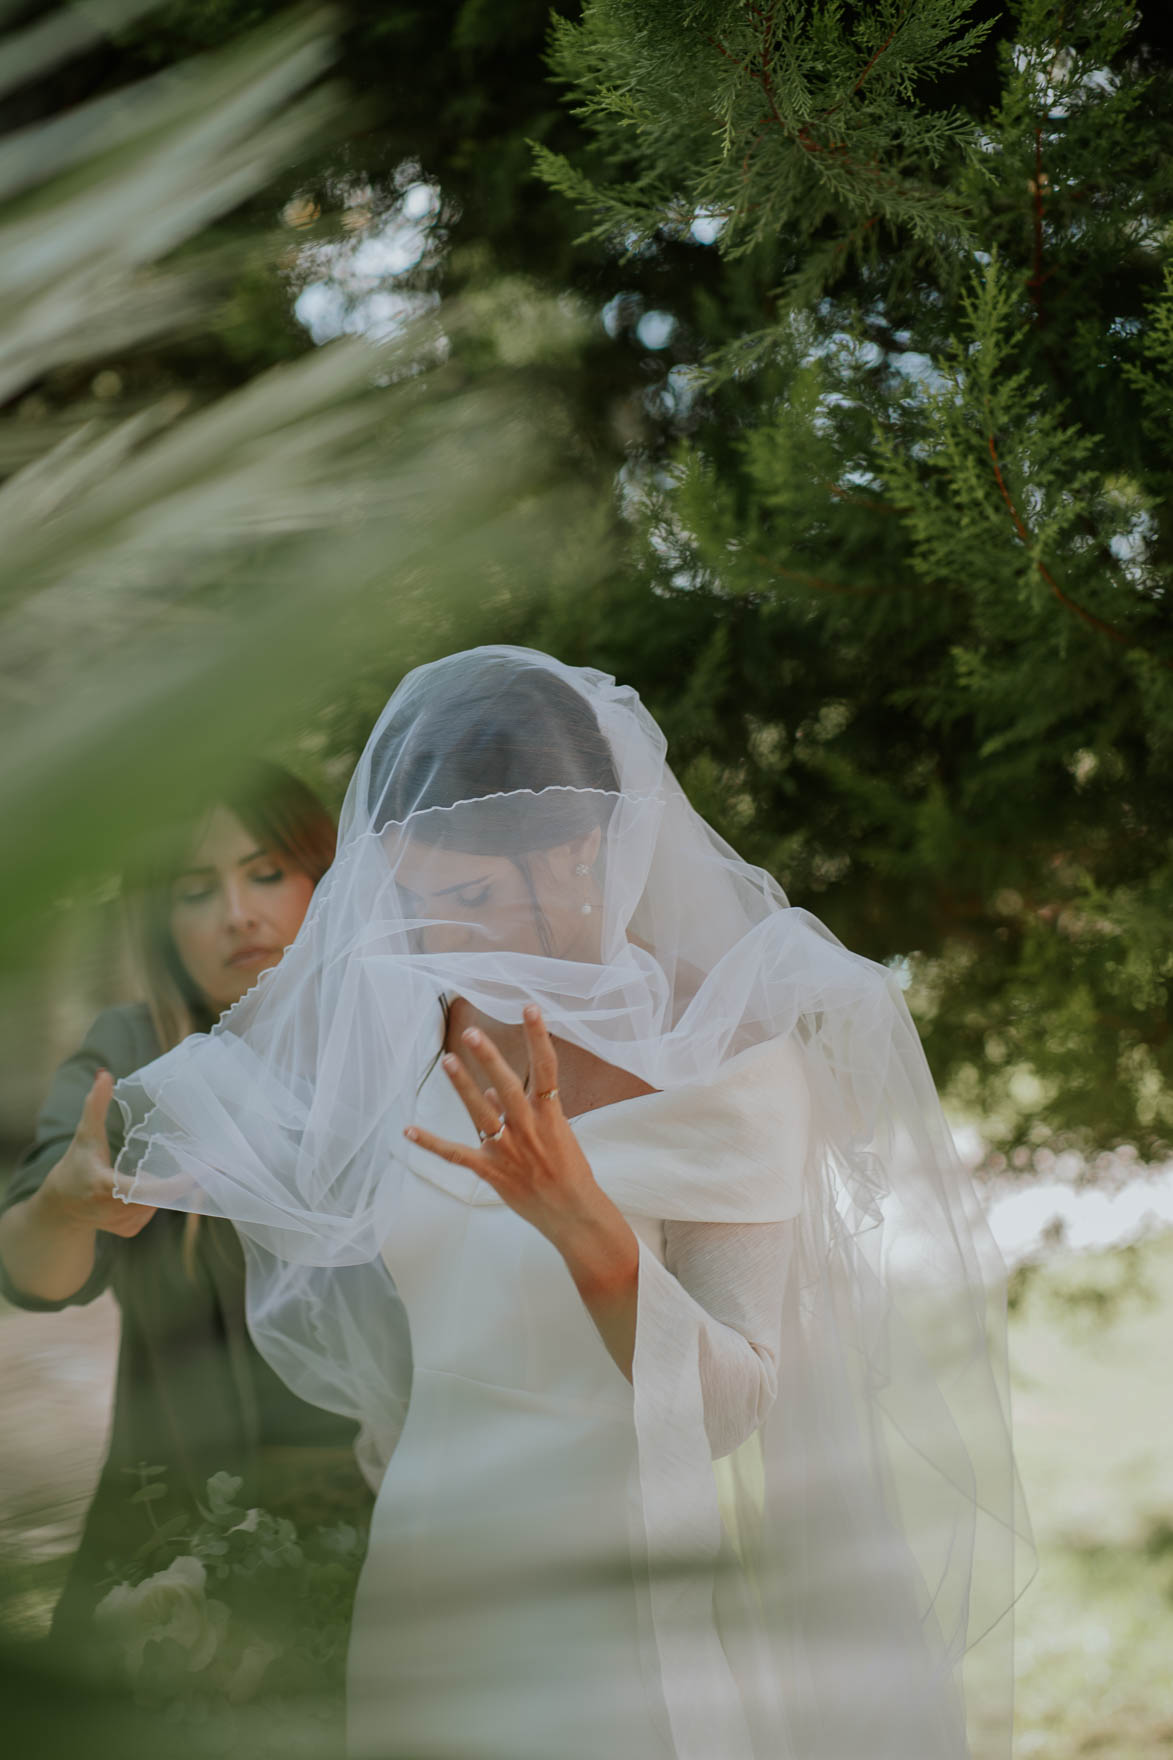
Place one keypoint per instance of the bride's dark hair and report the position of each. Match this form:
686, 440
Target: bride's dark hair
500, 729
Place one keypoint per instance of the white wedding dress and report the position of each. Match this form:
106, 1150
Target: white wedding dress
501, 1612
820, 1299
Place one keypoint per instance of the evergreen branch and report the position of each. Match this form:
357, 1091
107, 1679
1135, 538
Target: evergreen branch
764, 79
1088, 617
882, 50
803, 136
844, 101
869, 65
766, 19
761, 77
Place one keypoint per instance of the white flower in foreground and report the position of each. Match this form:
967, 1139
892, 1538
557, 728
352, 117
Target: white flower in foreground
172, 1604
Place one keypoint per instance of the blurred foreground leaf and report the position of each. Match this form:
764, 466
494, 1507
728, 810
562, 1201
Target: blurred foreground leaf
99, 195
189, 585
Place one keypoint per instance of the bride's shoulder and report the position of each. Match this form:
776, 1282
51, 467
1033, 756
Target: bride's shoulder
752, 1113
752, 1067
753, 1099
728, 1145
764, 1078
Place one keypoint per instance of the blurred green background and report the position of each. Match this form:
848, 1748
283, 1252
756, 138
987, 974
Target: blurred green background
807, 365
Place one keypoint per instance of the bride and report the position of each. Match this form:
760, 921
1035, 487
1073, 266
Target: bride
570, 1160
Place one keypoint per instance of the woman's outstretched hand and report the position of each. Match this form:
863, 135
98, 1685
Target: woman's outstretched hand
47, 1240
532, 1159
79, 1191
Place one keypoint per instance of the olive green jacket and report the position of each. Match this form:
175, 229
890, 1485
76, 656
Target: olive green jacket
192, 1392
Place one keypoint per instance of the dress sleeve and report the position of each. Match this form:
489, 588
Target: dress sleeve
721, 1287
117, 1041
705, 1370
709, 1318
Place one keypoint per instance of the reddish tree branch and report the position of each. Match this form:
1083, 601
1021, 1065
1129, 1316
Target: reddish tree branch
802, 135
882, 50
1088, 617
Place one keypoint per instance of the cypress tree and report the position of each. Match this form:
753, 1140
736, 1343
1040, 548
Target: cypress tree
924, 507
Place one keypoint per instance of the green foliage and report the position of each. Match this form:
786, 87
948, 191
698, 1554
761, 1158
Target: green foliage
1151, 372
926, 505
796, 122
200, 576
893, 465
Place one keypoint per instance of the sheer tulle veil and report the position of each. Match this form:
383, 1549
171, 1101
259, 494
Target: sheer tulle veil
890, 1437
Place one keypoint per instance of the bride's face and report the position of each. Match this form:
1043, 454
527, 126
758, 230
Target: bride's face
475, 903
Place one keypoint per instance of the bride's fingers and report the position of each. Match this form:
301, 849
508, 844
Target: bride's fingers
458, 1153
485, 1113
543, 1059
483, 1051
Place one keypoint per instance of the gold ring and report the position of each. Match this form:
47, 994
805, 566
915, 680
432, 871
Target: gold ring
549, 1094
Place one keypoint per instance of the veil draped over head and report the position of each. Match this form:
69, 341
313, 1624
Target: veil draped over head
892, 1411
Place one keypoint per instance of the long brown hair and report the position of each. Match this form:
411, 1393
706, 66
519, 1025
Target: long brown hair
287, 819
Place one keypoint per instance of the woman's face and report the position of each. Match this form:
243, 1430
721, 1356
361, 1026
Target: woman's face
234, 909
475, 903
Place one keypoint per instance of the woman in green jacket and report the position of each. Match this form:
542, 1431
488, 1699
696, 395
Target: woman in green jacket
192, 1394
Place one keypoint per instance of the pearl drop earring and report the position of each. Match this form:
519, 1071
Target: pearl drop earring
582, 869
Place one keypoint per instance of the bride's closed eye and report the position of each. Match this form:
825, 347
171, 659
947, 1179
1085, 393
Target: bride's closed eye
472, 898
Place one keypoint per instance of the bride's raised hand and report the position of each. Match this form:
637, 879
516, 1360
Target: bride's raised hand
528, 1152
533, 1161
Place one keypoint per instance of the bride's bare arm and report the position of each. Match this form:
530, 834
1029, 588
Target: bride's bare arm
725, 1281
533, 1161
